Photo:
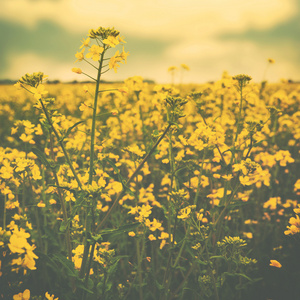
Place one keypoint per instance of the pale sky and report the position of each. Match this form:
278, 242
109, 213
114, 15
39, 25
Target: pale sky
210, 36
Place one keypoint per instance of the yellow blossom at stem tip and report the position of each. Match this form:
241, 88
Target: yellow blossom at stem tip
77, 70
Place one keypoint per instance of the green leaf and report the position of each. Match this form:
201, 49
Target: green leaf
258, 143
218, 256
237, 274
42, 157
109, 233
64, 225
70, 129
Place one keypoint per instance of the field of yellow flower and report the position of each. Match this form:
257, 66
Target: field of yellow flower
155, 192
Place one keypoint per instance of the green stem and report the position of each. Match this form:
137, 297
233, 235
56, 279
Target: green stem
139, 270
91, 169
4, 213
94, 120
199, 178
62, 203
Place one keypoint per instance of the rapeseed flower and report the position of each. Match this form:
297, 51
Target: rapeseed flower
38, 92
85, 43
79, 55
77, 70
22, 296
50, 297
94, 52
111, 41
275, 263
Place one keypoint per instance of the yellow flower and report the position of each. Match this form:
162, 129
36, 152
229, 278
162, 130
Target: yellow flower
145, 212
275, 263
248, 235
154, 225
185, 67
77, 70
164, 236
79, 55
184, 213
94, 52
48, 297
151, 237
113, 63
272, 203
172, 69
85, 43
133, 210
124, 55
18, 85
38, 92
111, 41
22, 296
70, 196
41, 204
18, 241
131, 233
292, 230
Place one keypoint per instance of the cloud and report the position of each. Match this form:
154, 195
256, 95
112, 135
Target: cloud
21, 64
168, 19
209, 36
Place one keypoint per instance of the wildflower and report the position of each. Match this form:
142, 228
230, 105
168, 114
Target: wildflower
48, 297
94, 52
121, 40
124, 55
185, 67
151, 237
133, 210
70, 196
184, 213
38, 92
248, 235
144, 212
18, 85
131, 233
172, 69
295, 226
41, 204
111, 41
22, 296
242, 79
85, 43
114, 60
79, 55
275, 263
154, 225
77, 70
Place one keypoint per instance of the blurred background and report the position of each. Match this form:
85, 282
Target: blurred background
209, 36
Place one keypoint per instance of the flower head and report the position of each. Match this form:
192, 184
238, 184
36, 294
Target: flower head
111, 41
39, 91
79, 55
94, 52
275, 263
77, 70
85, 43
